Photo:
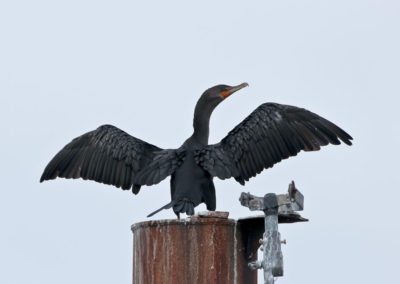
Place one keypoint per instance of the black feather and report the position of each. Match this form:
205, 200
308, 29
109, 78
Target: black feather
271, 133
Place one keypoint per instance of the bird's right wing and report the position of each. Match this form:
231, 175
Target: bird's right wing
112, 156
271, 133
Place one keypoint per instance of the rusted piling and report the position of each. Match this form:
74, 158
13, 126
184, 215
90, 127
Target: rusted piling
207, 250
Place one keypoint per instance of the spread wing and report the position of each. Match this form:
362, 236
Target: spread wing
271, 133
111, 156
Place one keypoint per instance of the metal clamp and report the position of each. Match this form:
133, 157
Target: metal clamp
276, 208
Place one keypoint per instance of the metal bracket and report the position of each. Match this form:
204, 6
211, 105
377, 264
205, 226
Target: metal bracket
276, 208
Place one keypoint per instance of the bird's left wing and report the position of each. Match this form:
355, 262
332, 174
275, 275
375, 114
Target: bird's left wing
112, 156
271, 133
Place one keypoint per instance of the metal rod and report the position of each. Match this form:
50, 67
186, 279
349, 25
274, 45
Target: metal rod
273, 259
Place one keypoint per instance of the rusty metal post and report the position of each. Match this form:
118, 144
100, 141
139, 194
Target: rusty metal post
209, 250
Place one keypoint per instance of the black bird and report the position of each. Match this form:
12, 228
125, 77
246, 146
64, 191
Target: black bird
271, 133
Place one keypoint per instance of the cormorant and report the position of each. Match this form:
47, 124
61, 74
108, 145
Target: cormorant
271, 133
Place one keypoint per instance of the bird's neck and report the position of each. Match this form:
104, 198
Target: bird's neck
201, 122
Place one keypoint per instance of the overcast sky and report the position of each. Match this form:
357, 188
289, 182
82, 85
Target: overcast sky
67, 67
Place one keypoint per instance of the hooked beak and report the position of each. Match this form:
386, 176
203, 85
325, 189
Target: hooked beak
233, 89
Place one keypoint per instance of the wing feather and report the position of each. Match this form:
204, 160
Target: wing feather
111, 156
271, 133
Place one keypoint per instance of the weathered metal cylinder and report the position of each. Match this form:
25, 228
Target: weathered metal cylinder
196, 250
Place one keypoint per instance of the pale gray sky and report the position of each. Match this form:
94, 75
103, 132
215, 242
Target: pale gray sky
67, 67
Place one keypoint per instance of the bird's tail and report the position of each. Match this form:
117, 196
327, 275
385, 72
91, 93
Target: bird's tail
184, 206
167, 206
179, 206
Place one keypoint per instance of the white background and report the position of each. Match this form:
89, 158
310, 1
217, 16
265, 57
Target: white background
67, 67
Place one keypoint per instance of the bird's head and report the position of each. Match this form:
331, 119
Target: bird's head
220, 92
205, 106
